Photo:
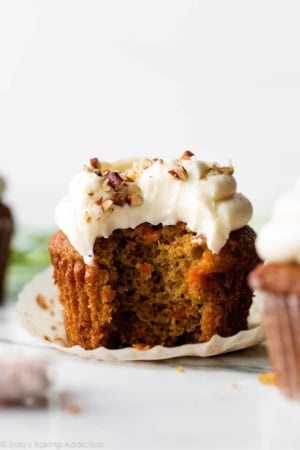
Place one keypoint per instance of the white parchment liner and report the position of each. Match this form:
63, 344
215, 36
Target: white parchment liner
41, 315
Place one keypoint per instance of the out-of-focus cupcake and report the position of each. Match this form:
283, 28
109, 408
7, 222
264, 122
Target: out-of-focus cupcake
6, 231
278, 280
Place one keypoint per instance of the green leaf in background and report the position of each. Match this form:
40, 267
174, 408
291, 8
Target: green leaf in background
29, 255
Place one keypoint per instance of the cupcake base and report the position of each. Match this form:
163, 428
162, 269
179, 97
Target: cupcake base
281, 317
153, 285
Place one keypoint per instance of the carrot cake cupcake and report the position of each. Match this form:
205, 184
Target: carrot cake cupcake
278, 243
6, 233
157, 253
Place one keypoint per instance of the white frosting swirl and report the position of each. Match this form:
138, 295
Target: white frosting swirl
279, 239
206, 200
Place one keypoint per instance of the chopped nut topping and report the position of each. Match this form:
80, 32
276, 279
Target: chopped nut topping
114, 180
187, 155
107, 205
180, 173
134, 199
87, 216
142, 164
99, 201
214, 169
105, 186
88, 169
118, 199
174, 173
130, 178
95, 163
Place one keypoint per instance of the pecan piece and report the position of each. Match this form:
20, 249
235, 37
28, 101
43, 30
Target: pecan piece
187, 155
118, 199
107, 205
180, 173
134, 199
95, 163
114, 180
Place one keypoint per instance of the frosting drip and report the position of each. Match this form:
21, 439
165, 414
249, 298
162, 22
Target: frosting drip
156, 191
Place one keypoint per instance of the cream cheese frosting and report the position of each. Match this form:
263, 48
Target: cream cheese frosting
157, 191
279, 239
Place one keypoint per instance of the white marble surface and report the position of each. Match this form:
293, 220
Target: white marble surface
215, 403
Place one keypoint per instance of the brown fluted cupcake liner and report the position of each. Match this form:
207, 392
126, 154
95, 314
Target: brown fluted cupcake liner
6, 229
41, 315
281, 317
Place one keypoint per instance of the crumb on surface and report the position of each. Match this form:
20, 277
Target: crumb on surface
66, 403
74, 410
268, 378
180, 369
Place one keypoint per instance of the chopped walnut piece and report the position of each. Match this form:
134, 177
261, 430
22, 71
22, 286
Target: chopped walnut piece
187, 155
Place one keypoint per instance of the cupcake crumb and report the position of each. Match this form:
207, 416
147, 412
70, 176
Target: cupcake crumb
66, 402
139, 346
74, 410
180, 369
268, 378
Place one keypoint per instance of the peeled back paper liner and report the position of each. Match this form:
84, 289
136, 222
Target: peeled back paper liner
41, 315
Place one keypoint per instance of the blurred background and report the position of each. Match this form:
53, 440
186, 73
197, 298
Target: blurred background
117, 79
